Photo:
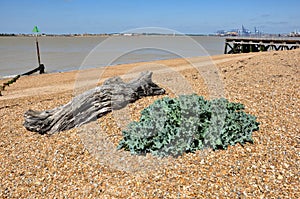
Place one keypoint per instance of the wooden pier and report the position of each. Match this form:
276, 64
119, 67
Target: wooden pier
246, 45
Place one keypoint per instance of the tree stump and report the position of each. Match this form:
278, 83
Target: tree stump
114, 94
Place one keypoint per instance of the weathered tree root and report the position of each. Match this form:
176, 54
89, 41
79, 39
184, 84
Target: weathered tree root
89, 106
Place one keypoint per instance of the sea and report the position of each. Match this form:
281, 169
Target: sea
59, 54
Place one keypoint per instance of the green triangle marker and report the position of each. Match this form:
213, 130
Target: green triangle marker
35, 29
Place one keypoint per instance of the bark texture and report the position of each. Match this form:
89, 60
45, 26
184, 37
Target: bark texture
89, 106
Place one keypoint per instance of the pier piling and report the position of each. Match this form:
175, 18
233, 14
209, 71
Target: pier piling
246, 45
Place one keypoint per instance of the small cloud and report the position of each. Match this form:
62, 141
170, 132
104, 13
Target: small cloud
277, 22
259, 17
265, 15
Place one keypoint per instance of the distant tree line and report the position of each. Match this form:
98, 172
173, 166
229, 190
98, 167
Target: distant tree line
7, 34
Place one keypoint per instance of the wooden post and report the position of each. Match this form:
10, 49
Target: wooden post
261, 48
41, 67
230, 51
234, 48
38, 50
225, 50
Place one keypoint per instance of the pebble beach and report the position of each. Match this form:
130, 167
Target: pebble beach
84, 163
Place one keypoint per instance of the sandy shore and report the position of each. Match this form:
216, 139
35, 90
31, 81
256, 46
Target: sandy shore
83, 162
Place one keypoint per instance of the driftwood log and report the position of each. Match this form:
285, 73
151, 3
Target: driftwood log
41, 68
112, 95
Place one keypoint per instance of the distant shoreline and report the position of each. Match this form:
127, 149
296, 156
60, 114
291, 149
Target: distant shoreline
139, 34
99, 35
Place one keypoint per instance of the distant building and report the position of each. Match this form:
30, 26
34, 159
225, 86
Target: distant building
227, 33
295, 34
128, 34
244, 32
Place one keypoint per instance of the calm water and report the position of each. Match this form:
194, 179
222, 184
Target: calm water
18, 54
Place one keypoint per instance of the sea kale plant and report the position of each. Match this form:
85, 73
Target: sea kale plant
172, 126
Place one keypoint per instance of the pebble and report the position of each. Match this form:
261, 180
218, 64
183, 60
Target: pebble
63, 165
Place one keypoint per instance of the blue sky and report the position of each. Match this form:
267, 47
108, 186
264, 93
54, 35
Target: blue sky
186, 16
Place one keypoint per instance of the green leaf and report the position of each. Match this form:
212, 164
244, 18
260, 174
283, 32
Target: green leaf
186, 124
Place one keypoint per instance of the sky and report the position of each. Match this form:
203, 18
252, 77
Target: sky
112, 16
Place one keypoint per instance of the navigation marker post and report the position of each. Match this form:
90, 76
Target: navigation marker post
41, 66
